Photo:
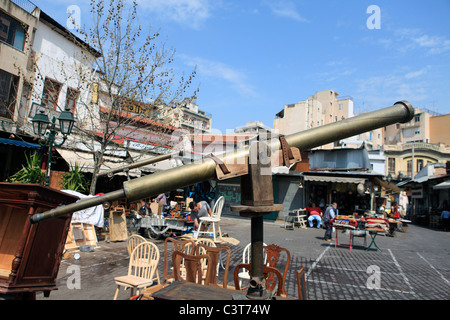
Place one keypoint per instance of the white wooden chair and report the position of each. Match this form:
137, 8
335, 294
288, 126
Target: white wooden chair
142, 269
213, 220
246, 258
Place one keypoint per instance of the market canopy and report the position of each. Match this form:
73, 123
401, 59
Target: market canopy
337, 179
442, 185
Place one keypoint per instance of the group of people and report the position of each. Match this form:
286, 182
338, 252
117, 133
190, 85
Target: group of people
315, 214
198, 209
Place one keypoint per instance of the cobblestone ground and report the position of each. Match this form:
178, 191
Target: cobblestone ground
412, 265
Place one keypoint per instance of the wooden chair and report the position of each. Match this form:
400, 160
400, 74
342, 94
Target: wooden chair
186, 246
301, 284
246, 258
142, 269
211, 266
133, 241
193, 267
269, 275
213, 220
273, 257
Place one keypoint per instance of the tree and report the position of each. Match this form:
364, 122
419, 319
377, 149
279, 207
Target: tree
133, 70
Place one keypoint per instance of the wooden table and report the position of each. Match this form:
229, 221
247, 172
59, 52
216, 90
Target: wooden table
183, 290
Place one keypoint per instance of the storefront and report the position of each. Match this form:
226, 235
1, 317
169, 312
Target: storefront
352, 191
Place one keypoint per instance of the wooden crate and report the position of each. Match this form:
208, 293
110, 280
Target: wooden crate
81, 234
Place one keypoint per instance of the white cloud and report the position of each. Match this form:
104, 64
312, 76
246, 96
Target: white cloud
215, 69
285, 9
405, 39
191, 13
415, 74
382, 90
434, 44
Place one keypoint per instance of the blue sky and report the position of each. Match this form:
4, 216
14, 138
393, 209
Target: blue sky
255, 56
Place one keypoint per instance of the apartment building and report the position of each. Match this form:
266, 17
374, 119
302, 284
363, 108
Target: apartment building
411, 146
322, 108
18, 24
189, 117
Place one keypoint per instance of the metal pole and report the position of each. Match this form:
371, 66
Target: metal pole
51, 140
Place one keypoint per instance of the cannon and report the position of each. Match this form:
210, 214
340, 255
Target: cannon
209, 167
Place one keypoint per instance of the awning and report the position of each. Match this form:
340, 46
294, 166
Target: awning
86, 160
442, 185
334, 179
19, 143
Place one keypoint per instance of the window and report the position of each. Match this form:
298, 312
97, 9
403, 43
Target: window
340, 106
419, 165
8, 92
409, 168
417, 118
391, 165
50, 94
71, 99
12, 31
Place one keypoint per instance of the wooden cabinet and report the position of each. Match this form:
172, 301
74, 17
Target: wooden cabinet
30, 254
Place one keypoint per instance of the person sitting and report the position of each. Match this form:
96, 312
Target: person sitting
395, 214
315, 213
145, 210
198, 210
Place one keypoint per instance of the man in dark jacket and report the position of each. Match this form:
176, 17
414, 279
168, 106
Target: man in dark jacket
329, 214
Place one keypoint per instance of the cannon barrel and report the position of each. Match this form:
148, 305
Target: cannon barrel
193, 173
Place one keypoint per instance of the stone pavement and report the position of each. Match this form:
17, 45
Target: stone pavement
413, 265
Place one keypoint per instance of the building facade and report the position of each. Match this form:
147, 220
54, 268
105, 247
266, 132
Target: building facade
188, 117
411, 146
322, 108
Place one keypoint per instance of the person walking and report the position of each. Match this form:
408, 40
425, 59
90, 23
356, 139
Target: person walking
329, 214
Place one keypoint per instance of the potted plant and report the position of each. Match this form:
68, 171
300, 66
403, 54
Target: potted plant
31, 172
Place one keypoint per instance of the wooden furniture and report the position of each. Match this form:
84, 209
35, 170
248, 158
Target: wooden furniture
193, 267
301, 284
246, 258
117, 224
296, 217
30, 254
186, 246
213, 220
133, 241
142, 269
269, 275
273, 257
183, 290
214, 254
81, 234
